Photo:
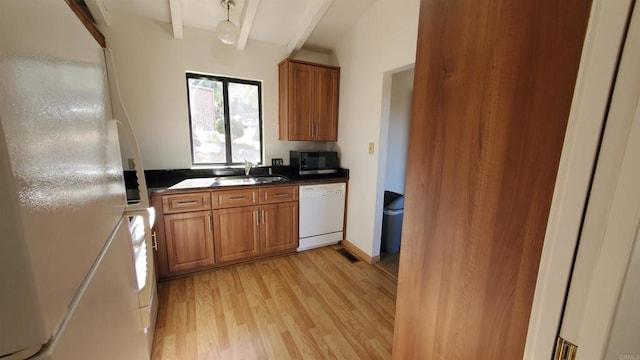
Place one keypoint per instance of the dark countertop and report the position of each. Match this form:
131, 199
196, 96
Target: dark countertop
159, 181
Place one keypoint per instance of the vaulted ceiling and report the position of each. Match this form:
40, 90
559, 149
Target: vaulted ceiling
315, 24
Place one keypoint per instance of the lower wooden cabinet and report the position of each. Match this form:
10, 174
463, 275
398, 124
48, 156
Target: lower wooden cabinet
246, 232
279, 227
205, 229
236, 234
189, 240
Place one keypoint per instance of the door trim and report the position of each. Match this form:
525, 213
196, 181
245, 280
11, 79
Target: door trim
610, 266
598, 66
609, 232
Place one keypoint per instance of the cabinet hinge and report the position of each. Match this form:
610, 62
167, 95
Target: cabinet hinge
565, 350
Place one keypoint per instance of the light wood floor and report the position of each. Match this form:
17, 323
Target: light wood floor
390, 263
312, 305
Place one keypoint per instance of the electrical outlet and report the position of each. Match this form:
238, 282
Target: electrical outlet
132, 163
371, 148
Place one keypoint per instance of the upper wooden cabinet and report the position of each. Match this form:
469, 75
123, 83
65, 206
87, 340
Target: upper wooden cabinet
308, 101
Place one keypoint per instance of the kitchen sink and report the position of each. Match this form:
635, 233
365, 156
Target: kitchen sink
247, 180
270, 179
228, 181
194, 183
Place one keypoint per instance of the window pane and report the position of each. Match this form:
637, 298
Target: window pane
207, 121
244, 115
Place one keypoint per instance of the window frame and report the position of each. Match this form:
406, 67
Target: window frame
225, 80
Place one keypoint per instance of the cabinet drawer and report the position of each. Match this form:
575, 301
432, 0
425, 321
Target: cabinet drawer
186, 202
234, 198
279, 194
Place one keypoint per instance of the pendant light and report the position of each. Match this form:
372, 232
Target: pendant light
226, 30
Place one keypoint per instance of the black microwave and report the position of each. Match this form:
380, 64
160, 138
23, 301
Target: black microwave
313, 162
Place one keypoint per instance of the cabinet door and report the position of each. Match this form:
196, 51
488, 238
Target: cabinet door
236, 234
301, 82
279, 230
326, 104
189, 240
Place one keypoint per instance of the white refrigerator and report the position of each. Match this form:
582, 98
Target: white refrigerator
70, 284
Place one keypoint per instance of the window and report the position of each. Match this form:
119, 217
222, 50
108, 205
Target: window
225, 117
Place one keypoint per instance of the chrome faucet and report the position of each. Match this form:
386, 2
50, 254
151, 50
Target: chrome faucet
247, 167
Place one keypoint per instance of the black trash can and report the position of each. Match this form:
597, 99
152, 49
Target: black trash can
392, 222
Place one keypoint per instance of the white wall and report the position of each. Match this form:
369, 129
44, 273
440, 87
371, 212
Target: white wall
151, 68
398, 133
383, 40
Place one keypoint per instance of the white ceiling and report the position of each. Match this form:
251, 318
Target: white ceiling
316, 24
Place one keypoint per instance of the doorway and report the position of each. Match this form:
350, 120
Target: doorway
397, 144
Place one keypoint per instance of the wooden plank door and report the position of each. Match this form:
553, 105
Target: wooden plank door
492, 94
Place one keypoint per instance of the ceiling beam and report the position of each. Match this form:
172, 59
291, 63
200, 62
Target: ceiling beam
248, 16
99, 12
307, 23
175, 6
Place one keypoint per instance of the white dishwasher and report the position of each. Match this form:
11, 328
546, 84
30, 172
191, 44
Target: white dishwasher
321, 215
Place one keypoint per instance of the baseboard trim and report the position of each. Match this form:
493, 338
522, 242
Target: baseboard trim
359, 253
